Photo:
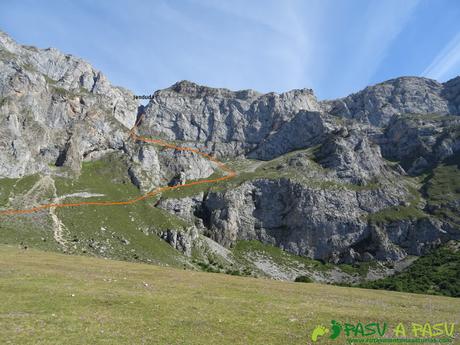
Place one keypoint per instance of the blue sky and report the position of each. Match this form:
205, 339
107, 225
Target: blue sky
335, 47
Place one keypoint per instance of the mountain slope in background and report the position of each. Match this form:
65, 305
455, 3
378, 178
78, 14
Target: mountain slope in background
362, 184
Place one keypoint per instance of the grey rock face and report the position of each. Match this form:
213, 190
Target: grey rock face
451, 92
181, 240
145, 168
185, 208
353, 156
304, 130
230, 123
406, 95
186, 165
419, 236
323, 225
311, 222
421, 141
55, 109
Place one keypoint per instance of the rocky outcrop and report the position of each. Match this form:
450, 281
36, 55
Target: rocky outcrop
417, 237
181, 240
451, 92
185, 208
56, 109
421, 141
151, 167
305, 129
353, 156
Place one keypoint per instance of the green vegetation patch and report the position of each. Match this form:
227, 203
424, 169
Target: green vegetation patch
29, 67
437, 273
6, 188
62, 91
121, 232
3, 101
442, 190
277, 255
303, 279
33, 230
396, 213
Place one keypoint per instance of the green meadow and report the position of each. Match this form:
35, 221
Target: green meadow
50, 298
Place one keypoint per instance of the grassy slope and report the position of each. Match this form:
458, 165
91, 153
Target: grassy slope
91, 229
442, 189
121, 232
50, 298
31, 229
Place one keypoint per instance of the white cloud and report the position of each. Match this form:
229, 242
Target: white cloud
444, 64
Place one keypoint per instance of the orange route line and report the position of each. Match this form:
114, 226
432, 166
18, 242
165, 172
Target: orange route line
230, 174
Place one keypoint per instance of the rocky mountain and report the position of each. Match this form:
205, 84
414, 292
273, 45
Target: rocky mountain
408, 95
56, 109
370, 179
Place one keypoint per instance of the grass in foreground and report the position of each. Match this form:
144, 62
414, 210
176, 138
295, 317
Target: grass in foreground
50, 298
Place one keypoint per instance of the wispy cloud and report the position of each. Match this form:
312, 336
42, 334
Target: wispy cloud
444, 64
380, 26
286, 43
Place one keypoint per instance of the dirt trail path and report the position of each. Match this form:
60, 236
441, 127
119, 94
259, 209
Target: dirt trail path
58, 225
132, 134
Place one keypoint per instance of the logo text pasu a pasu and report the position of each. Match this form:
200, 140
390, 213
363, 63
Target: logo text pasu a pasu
360, 329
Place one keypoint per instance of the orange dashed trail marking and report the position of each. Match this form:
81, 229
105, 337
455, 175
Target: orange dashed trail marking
229, 174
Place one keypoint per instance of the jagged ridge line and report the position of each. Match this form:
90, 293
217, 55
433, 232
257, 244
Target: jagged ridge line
230, 174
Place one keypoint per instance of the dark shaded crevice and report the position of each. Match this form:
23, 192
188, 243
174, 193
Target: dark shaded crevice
96, 78
202, 212
86, 153
134, 180
140, 112
61, 159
